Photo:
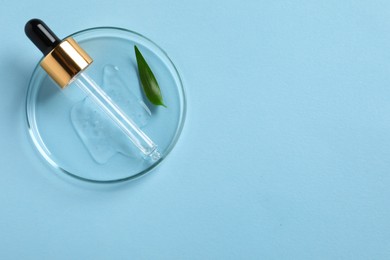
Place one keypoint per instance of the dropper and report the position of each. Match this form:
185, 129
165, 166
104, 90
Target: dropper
66, 63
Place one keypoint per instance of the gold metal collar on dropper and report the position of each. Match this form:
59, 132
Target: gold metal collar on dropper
65, 61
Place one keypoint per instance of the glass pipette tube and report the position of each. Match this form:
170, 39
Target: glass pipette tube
146, 146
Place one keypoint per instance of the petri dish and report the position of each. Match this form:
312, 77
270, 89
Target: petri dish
81, 146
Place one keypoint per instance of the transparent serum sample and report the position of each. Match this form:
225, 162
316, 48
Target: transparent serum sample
101, 137
116, 88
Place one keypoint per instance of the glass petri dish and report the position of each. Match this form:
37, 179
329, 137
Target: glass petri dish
53, 128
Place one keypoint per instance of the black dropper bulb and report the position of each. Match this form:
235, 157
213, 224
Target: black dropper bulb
41, 35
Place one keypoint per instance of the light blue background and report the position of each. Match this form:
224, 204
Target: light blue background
285, 153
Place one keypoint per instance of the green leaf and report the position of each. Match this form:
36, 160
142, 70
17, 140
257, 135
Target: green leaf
148, 81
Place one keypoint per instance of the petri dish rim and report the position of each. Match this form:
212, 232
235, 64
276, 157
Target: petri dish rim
40, 145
